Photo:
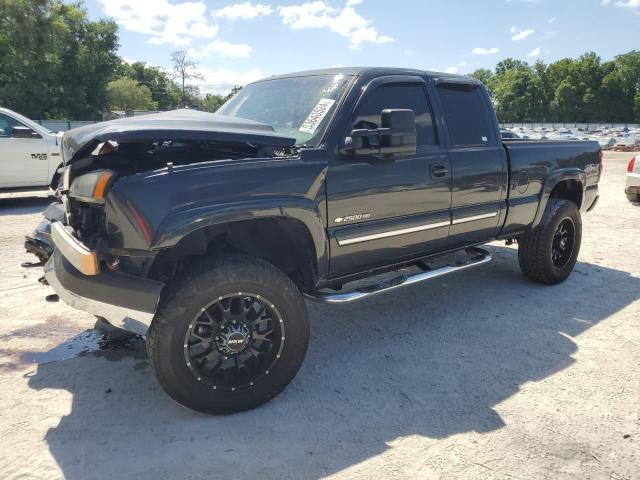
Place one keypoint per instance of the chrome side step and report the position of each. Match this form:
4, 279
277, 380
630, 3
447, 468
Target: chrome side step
476, 256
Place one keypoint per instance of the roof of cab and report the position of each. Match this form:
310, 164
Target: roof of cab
374, 71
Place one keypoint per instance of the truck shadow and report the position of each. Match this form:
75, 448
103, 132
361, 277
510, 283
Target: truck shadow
432, 360
25, 204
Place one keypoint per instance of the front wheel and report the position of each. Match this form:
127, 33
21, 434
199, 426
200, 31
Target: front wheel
549, 253
229, 337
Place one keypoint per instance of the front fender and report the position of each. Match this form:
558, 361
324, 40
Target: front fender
552, 180
180, 224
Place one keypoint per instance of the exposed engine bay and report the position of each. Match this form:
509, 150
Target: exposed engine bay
98, 156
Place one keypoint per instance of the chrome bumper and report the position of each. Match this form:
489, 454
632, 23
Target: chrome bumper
83, 259
125, 301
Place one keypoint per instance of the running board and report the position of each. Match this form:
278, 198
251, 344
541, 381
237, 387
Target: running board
475, 256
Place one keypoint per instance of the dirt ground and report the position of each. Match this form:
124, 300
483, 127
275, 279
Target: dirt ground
480, 374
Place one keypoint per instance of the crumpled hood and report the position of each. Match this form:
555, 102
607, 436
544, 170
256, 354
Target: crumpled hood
173, 125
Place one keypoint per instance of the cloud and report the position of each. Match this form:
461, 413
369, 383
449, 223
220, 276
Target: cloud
221, 81
164, 21
513, 29
622, 3
244, 11
343, 21
485, 51
535, 52
455, 68
552, 20
522, 34
222, 49
628, 4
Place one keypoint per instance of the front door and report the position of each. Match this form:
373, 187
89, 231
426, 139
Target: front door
392, 209
23, 161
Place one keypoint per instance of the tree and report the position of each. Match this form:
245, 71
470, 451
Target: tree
569, 90
54, 61
127, 94
184, 69
211, 103
484, 75
164, 92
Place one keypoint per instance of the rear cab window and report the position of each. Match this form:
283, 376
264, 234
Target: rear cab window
467, 115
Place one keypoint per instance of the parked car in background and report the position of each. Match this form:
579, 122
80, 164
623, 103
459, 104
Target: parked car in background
508, 135
30, 155
633, 180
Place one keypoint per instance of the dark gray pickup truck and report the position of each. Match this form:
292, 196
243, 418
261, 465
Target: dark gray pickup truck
207, 231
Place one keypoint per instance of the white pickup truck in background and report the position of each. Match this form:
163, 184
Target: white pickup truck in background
30, 155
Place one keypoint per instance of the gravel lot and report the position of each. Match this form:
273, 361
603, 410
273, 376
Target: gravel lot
480, 374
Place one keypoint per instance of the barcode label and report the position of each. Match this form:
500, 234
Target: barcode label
316, 116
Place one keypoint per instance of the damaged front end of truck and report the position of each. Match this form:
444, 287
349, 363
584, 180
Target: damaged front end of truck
81, 238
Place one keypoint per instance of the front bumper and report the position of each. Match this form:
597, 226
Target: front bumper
633, 183
125, 301
40, 242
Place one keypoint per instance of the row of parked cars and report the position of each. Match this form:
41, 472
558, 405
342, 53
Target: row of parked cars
610, 138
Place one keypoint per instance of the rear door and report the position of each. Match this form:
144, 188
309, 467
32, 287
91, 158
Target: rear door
23, 161
478, 161
385, 210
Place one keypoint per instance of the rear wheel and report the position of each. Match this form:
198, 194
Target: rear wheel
229, 337
549, 253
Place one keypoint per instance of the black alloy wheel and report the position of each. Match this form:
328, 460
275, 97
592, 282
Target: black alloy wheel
234, 340
563, 242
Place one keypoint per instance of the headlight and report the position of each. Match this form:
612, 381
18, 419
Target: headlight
92, 187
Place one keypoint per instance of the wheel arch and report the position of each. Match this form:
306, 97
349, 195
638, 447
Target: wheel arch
567, 184
286, 242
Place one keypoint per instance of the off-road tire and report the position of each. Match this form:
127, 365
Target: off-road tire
633, 197
535, 249
184, 298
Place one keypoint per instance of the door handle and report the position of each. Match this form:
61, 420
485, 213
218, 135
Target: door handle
439, 171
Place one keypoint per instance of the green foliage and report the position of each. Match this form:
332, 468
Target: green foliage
127, 94
164, 92
55, 62
569, 90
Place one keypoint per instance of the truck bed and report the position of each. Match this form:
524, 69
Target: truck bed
532, 162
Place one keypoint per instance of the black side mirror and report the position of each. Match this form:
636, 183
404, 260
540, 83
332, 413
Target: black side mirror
24, 132
399, 137
396, 136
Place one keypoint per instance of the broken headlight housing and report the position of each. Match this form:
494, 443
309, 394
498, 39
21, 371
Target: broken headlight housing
92, 187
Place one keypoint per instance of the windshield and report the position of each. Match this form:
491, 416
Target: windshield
299, 107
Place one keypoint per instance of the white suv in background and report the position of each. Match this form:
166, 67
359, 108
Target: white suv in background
633, 180
30, 155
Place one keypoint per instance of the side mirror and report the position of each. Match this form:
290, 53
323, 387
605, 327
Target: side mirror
396, 136
399, 137
24, 132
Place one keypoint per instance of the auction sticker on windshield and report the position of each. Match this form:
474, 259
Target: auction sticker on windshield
316, 116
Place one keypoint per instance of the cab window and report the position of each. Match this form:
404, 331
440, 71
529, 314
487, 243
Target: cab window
401, 96
467, 115
6, 124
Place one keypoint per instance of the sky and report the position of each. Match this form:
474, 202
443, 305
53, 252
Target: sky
238, 41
